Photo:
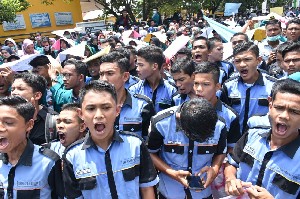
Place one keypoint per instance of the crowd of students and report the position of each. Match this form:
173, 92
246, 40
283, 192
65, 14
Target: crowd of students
130, 123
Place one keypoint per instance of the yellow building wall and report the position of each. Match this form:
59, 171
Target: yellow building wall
37, 7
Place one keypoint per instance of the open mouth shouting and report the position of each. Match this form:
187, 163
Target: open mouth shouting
3, 143
197, 57
244, 72
281, 128
99, 127
62, 137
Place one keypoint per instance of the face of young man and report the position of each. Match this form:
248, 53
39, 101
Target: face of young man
291, 62
216, 53
273, 30
4, 86
99, 111
68, 127
205, 87
184, 82
200, 51
21, 88
293, 32
94, 68
246, 63
13, 129
70, 77
41, 70
237, 40
111, 73
144, 68
285, 116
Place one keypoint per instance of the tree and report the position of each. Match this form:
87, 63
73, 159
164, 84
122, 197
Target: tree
9, 8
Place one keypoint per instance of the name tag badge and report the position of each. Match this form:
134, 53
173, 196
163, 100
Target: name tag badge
29, 184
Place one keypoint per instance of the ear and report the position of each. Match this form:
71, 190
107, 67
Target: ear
118, 109
154, 66
81, 77
269, 99
218, 86
193, 76
79, 111
82, 127
29, 125
37, 96
259, 59
126, 76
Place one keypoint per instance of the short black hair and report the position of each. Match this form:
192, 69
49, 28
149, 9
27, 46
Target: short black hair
22, 106
240, 33
72, 107
208, 67
246, 46
36, 82
41, 60
285, 86
185, 51
273, 22
10, 58
198, 119
98, 86
201, 38
152, 54
118, 58
185, 65
212, 42
294, 20
124, 51
80, 67
282, 46
291, 47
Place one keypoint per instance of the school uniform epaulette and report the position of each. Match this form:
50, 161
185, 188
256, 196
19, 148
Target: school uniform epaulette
176, 93
135, 78
221, 119
172, 83
163, 115
144, 97
232, 78
131, 134
260, 127
230, 108
271, 78
49, 153
80, 141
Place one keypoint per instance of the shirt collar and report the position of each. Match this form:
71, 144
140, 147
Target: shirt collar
183, 96
219, 105
128, 100
259, 81
88, 141
161, 81
289, 149
26, 157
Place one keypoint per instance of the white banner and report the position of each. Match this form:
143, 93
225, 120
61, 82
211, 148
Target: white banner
17, 25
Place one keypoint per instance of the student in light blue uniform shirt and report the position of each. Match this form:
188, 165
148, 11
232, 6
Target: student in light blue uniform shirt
70, 128
182, 71
149, 62
187, 140
107, 163
269, 158
136, 109
247, 93
26, 170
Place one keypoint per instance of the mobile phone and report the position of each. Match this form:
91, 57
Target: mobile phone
195, 183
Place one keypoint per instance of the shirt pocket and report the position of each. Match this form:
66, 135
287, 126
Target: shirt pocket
175, 154
32, 194
285, 185
131, 181
235, 103
162, 105
131, 173
132, 127
88, 183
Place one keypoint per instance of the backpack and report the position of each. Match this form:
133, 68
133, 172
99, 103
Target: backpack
50, 126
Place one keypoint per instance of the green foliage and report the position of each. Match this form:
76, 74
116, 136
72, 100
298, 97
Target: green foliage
9, 8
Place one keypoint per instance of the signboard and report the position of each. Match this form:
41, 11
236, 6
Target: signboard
39, 20
17, 25
92, 26
63, 18
277, 10
231, 8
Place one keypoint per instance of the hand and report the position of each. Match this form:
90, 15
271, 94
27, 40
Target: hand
257, 192
180, 176
53, 72
7, 74
235, 187
272, 58
211, 174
